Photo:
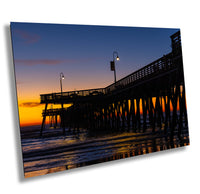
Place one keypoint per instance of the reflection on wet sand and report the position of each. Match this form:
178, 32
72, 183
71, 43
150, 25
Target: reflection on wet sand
44, 156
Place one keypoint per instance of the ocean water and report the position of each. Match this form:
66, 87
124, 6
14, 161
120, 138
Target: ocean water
55, 152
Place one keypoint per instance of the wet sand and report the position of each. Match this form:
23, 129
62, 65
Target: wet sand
55, 152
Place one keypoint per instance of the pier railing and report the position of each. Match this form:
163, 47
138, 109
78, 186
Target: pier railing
52, 111
54, 97
162, 64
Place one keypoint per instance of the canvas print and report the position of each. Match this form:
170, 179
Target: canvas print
89, 94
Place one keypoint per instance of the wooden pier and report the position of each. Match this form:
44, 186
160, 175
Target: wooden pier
151, 97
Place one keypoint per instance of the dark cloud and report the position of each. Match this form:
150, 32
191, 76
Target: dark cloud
27, 37
30, 104
31, 62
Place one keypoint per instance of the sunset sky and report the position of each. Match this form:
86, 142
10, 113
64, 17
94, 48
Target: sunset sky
83, 53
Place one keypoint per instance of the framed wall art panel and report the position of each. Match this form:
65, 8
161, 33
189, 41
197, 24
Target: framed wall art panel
91, 94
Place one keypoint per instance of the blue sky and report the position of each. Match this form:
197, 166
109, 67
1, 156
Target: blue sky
82, 53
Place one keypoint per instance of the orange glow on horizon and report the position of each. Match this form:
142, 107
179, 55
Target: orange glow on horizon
28, 94
30, 112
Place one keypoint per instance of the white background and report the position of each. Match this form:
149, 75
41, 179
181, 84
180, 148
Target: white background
173, 171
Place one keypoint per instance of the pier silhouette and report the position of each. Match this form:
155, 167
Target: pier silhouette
152, 97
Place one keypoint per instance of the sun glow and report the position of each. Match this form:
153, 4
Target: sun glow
30, 111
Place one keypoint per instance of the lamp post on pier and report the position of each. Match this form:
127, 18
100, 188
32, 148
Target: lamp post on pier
112, 64
62, 122
61, 78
